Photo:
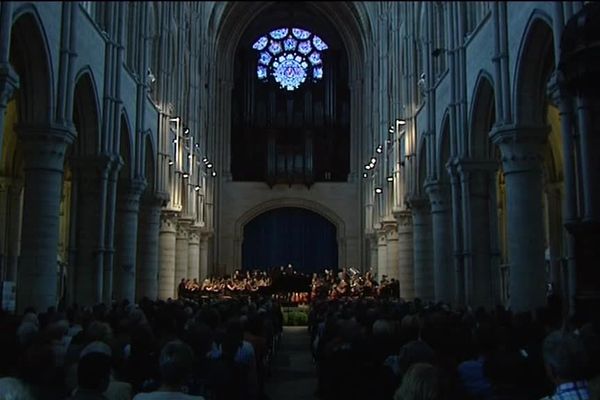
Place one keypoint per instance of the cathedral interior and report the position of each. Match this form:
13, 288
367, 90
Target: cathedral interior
451, 146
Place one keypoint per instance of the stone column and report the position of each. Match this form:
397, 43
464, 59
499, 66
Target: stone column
147, 246
457, 242
405, 255
181, 252
382, 264
522, 164
476, 178
393, 250
423, 251
128, 207
43, 150
166, 255
204, 270
9, 80
193, 271
441, 221
91, 175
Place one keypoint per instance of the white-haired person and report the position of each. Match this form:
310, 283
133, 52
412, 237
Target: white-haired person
565, 359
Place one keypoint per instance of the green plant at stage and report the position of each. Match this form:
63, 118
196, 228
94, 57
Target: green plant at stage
295, 318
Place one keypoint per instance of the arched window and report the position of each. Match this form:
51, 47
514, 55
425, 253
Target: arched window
290, 56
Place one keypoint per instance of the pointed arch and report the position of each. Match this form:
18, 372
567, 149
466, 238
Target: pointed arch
422, 164
443, 148
149, 164
126, 148
534, 65
30, 57
86, 116
482, 118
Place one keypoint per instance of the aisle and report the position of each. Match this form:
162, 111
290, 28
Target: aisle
293, 374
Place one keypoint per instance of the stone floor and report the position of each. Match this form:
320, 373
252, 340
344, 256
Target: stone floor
293, 373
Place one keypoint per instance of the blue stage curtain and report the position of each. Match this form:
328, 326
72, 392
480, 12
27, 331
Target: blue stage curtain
290, 235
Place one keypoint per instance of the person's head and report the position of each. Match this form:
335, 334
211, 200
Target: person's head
93, 372
565, 357
176, 361
421, 382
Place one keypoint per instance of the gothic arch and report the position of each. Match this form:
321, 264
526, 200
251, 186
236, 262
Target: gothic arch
126, 148
30, 56
443, 148
86, 115
313, 206
482, 117
534, 64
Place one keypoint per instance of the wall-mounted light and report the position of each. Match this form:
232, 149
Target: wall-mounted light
170, 162
197, 188
378, 190
390, 178
190, 156
214, 173
209, 165
373, 160
401, 121
379, 149
186, 175
151, 76
186, 131
175, 119
174, 141
365, 175
368, 167
204, 160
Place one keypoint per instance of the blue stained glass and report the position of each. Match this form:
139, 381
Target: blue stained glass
318, 72
265, 58
279, 33
289, 44
261, 71
290, 74
319, 43
304, 47
261, 43
275, 48
300, 33
315, 58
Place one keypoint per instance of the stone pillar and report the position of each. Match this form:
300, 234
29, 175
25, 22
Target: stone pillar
441, 221
423, 251
9, 80
146, 277
382, 264
193, 271
373, 252
476, 179
128, 207
43, 150
393, 250
10, 220
89, 271
405, 255
522, 164
181, 254
166, 255
204, 270
457, 242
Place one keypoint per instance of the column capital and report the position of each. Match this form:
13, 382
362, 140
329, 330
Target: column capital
419, 203
44, 146
521, 147
9, 82
439, 195
168, 221
194, 234
129, 193
404, 218
183, 228
556, 87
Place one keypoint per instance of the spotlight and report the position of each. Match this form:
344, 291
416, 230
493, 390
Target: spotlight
197, 144
373, 160
186, 175
204, 160
379, 149
367, 167
365, 175
176, 119
174, 141
391, 130
209, 165
378, 190
170, 162
390, 178
401, 122
190, 156
186, 131
197, 188
214, 173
